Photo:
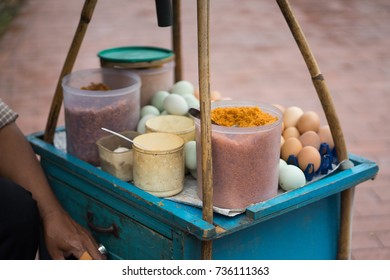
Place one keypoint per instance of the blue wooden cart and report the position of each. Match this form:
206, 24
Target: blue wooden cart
312, 222
133, 224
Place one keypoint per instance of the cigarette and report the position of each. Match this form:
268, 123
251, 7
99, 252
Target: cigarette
87, 256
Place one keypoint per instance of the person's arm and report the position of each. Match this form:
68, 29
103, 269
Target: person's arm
63, 236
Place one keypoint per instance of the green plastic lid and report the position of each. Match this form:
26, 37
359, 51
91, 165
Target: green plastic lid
136, 55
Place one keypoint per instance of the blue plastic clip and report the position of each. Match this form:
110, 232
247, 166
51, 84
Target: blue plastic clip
292, 159
309, 172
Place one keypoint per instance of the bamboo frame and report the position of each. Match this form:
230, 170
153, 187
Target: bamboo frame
85, 18
333, 121
203, 16
176, 39
205, 119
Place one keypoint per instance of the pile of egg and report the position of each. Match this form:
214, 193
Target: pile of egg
177, 101
301, 138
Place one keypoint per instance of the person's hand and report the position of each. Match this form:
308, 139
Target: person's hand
64, 237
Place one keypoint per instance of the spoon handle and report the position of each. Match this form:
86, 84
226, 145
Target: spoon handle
117, 134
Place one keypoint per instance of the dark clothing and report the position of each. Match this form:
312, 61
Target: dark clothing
19, 222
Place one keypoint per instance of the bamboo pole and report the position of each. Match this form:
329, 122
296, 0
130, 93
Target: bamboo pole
176, 39
205, 120
334, 124
85, 18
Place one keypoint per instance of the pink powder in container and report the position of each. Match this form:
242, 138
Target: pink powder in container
245, 160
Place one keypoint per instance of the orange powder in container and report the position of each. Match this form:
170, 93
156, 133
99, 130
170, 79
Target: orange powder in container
241, 116
245, 153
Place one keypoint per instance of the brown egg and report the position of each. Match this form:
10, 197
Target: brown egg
196, 93
291, 131
280, 107
215, 95
308, 121
281, 141
326, 136
291, 116
291, 146
309, 155
310, 138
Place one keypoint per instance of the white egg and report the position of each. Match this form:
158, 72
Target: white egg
190, 155
163, 113
175, 104
192, 101
121, 150
141, 123
182, 87
149, 110
158, 99
282, 163
291, 177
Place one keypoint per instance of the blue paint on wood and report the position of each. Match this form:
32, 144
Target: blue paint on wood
299, 224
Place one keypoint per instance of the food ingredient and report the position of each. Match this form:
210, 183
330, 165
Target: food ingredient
291, 146
282, 163
96, 86
245, 161
309, 155
280, 107
192, 101
310, 138
158, 99
141, 124
291, 177
326, 136
83, 126
241, 116
149, 110
182, 87
190, 155
175, 104
121, 150
291, 131
291, 116
244, 168
308, 121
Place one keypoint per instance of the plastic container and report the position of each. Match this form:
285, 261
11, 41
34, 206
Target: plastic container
118, 164
155, 79
154, 66
158, 166
179, 125
87, 111
245, 160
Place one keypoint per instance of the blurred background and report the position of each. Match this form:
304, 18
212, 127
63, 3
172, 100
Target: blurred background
252, 56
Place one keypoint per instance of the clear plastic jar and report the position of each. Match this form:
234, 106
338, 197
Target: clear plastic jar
245, 160
87, 111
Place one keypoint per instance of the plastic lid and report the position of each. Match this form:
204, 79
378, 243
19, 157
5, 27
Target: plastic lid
136, 55
171, 124
158, 142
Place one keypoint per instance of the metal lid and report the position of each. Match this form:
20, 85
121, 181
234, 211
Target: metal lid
135, 56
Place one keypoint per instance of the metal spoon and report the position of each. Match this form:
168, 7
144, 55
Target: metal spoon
196, 114
121, 136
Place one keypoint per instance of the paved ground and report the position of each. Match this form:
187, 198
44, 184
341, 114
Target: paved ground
253, 55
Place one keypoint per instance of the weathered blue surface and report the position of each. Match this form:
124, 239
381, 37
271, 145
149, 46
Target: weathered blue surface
299, 224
